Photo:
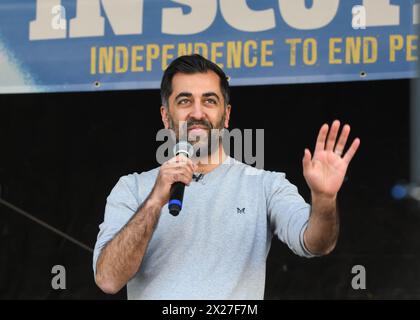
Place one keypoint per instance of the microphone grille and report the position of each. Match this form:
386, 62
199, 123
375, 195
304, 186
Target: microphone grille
185, 148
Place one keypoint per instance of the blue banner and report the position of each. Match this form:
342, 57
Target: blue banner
89, 45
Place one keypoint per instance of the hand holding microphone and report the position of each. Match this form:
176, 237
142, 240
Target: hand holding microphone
172, 178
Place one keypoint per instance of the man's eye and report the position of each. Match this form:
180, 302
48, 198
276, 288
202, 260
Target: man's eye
211, 101
183, 101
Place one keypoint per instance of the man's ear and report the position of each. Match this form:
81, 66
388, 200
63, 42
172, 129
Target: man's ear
164, 112
227, 116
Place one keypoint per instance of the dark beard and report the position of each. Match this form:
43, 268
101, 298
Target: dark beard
213, 141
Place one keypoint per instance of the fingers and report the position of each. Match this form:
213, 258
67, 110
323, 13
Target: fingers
190, 166
180, 175
322, 136
332, 136
352, 150
177, 174
178, 169
180, 160
339, 148
327, 138
306, 161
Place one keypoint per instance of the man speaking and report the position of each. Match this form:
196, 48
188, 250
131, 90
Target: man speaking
216, 247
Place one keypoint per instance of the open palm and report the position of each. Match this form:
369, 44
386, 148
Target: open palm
325, 171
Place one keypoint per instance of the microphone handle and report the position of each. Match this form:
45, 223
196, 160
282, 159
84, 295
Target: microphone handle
176, 197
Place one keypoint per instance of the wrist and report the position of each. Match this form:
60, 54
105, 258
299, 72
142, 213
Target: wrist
323, 202
319, 196
153, 201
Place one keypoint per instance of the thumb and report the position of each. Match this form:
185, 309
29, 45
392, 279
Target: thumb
306, 161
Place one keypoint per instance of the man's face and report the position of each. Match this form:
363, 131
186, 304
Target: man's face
197, 103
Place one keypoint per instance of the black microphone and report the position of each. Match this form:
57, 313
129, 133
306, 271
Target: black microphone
177, 189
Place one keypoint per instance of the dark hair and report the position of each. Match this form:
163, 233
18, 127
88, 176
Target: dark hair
191, 64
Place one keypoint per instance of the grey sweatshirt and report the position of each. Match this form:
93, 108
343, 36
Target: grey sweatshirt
216, 248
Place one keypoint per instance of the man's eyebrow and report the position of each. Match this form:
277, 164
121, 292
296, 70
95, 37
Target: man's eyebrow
211, 94
183, 94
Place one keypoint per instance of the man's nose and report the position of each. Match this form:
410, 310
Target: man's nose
197, 112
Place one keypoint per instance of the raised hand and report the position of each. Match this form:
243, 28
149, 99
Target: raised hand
325, 171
